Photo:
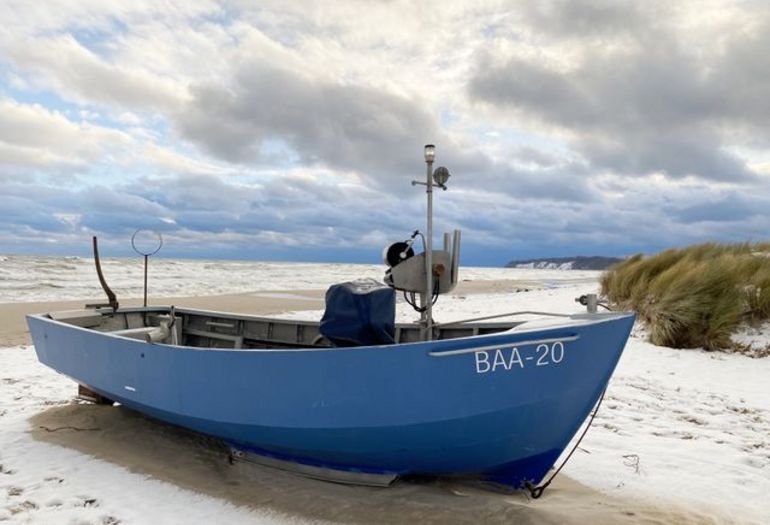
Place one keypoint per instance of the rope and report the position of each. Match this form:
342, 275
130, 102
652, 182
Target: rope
536, 492
76, 429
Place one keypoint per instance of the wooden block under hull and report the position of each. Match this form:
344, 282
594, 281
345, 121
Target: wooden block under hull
86, 394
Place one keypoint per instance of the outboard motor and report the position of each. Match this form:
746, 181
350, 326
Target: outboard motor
360, 313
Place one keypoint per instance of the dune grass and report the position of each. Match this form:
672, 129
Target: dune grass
695, 296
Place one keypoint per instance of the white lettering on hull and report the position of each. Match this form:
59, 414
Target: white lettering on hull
510, 358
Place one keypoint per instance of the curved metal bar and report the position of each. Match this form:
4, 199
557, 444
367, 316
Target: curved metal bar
522, 312
113, 300
505, 345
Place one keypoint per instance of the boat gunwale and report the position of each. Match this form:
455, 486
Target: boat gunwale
588, 320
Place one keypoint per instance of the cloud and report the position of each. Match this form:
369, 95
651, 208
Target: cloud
336, 125
586, 18
33, 136
176, 162
81, 75
644, 100
367, 130
730, 208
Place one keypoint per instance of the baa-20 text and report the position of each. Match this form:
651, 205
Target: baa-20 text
511, 358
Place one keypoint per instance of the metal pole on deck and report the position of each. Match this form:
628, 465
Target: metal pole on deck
145, 279
430, 155
438, 179
146, 243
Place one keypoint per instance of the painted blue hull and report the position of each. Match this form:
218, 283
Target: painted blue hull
501, 406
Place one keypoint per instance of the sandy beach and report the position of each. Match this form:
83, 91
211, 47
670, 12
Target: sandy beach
156, 453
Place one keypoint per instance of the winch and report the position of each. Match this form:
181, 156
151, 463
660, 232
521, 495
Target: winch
408, 271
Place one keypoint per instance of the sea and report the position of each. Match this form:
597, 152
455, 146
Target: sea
27, 278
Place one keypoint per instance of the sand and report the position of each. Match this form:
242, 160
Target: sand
190, 461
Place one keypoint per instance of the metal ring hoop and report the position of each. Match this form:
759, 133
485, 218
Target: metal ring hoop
137, 250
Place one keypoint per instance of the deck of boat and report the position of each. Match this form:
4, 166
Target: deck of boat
207, 329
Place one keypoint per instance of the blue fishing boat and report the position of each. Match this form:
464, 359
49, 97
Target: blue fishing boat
354, 398
499, 406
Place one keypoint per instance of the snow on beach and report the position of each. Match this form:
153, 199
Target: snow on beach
680, 428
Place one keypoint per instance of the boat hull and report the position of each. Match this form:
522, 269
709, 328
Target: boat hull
500, 406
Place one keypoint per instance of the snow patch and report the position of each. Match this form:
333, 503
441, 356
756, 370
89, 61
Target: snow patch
546, 265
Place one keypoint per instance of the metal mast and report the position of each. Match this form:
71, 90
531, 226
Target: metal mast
433, 179
430, 155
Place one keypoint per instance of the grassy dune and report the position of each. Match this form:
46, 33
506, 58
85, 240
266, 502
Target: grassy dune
695, 296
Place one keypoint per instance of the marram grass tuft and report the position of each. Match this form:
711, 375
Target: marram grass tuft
696, 296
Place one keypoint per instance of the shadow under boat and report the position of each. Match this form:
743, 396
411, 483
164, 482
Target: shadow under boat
198, 463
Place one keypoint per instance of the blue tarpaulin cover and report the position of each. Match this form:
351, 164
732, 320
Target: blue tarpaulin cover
361, 312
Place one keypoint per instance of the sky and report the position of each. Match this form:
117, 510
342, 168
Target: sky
292, 130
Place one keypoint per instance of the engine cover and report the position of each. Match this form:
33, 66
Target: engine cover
359, 313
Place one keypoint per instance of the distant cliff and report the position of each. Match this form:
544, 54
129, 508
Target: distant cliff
579, 262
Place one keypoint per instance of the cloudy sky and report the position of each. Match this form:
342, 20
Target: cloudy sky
292, 130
